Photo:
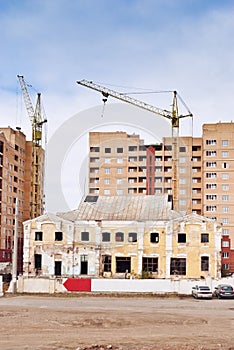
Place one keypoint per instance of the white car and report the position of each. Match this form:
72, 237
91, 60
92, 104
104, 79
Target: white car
201, 292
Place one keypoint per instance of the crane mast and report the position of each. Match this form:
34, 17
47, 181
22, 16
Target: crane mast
173, 116
37, 154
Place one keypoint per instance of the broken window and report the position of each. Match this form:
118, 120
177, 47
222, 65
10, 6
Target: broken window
150, 264
178, 266
58, 236
119, 237
58, 268
181, 237
84, 264
85, 236
123, 264
204, 237
204, 263
154, 237
37, 261
105, 236
38, 236
106, 261
132, 237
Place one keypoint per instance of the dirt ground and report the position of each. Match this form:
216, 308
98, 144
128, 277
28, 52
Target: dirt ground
105, 322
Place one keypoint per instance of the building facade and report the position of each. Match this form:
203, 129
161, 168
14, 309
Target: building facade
15, 183
137, 236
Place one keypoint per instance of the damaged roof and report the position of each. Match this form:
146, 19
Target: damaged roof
124, 208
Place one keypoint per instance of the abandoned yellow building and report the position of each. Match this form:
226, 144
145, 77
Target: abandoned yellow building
122, 237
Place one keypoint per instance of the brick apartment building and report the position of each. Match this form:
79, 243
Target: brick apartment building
15, 182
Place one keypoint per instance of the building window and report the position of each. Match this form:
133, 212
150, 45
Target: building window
224, 143
225, 220
132, 148
85, 236
106, 191
37, 261
225, 198
182, 149
58, 236
225, 266
225, 187
211, 208
211, 153
204, 263
225, 165
94, 149
107, 171
106, 181
149, 264
119, 181
211, 164
182, 170
225, 176
225, 154
225, 232
211, 197
119, 170
94, 160
132, 237
107, 150
225, 209
105, 236
178, 266
182, 160
94, 170
107, 160
211, 142
182, 181
106, 261
181, 238
119, 150
225, 255
123, 264
132, 159
205, 238
225, 244
211, 175
119, 237
38, 236
119, 160
211, 186
154, 237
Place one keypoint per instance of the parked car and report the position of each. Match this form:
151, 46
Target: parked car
224, 291
201, 292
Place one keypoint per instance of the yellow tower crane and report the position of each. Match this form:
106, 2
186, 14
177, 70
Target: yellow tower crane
37, 154
173, 116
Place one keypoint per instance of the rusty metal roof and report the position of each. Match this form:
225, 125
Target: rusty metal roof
124, 208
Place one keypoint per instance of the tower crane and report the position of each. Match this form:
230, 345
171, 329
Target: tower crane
37, 170
172, 115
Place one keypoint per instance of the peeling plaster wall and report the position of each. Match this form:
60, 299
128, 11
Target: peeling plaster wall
71, 249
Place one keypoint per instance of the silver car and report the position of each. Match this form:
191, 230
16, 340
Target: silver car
201, 292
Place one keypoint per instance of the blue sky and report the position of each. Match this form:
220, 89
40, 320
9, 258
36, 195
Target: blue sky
183, 45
